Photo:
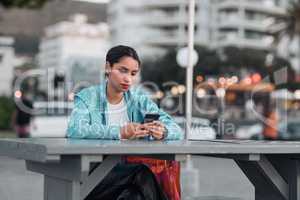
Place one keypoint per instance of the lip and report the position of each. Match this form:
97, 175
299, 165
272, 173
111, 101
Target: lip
124, 86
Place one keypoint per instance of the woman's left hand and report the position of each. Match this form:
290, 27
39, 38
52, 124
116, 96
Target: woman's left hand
156, 129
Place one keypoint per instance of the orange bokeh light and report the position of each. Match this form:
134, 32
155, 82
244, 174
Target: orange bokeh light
256, 78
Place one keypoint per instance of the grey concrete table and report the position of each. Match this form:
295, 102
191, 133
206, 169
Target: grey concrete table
272, 167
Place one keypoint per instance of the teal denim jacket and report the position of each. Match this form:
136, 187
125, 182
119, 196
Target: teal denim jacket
89, 117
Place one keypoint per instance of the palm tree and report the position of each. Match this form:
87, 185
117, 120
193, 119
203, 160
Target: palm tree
22, 3
287, 25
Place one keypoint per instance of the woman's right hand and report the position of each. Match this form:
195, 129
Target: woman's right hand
133, 131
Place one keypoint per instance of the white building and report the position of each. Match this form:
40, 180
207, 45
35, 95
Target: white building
154, 25
245, 23
7, 63
71, 47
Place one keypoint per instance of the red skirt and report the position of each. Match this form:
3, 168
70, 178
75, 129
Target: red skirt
167, 173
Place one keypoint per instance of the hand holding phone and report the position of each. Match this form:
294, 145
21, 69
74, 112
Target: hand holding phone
150, 117
155, 127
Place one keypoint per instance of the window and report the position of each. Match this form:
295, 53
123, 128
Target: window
251, 15
254, 34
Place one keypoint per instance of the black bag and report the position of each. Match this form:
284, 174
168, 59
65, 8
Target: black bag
128, 182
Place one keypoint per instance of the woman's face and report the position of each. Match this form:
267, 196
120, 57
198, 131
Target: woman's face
123, 73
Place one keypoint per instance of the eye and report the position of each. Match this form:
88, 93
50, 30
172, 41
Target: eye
122, 70
133, 73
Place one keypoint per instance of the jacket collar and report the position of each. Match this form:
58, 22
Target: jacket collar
128, 96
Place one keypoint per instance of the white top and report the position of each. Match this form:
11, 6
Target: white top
117, 113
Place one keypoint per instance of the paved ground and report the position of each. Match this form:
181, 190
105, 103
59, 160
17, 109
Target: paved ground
18, 184
218, 179
215, 179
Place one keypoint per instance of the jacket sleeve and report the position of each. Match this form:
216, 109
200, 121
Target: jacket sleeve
174, 132
83, 125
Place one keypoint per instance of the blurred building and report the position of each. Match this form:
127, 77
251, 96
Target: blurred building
72, 49
12, 21
245, 23
294, 54
7, 62
154, 25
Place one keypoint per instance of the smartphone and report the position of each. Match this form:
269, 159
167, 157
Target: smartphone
150, 117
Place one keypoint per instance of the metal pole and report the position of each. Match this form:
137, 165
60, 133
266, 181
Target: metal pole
189, 71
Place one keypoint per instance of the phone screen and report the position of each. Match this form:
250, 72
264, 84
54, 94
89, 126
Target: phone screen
150, 117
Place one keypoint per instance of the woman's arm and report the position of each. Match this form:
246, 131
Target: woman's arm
174, 132
81, 125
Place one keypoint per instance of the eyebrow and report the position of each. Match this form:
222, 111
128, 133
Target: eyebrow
124, 67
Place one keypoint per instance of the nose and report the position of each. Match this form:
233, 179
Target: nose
127, 79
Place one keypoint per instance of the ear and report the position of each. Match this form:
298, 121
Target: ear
107, 68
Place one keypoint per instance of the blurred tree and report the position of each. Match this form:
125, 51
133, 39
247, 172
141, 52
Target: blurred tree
166, 68
209, 62
163, 69
23, 3
228, 61
278, 64
288, 25
237, 59
6, 110
250, 60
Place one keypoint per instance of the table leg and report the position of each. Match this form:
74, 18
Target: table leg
70, 179
55, 188
268, 183
275, 177
294, 179
289, 168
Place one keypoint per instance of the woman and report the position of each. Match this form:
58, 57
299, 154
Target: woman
21, 118
114, 111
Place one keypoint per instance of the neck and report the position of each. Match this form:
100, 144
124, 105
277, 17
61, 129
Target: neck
113, 96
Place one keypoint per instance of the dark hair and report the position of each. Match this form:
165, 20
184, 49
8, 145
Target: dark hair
116, 53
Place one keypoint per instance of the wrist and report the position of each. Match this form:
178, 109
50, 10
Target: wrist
123, 133
165, 134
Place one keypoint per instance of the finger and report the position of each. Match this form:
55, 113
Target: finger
133, 124
141, 136
142, 126
157, 134
156, 128
149, 123
158, 123
148, 126
141, 133
155, 124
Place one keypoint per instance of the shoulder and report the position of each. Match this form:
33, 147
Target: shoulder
88, 91
139, 93
141, 97
89, 94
